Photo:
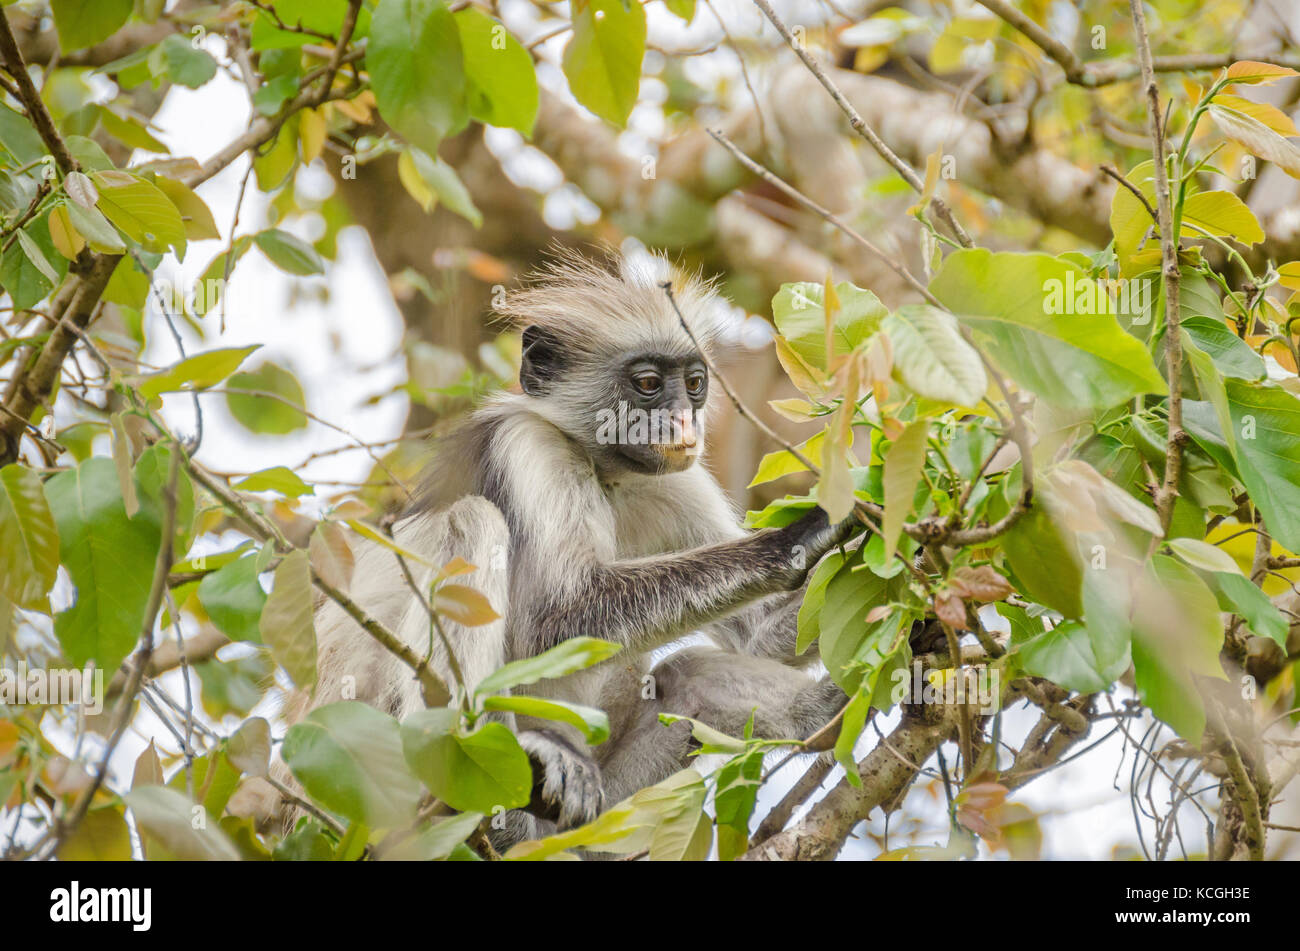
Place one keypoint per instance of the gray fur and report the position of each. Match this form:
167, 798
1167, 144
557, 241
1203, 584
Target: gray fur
592, 547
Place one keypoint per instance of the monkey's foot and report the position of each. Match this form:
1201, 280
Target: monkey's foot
566, 781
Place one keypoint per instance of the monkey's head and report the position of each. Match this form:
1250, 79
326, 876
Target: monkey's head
607, 360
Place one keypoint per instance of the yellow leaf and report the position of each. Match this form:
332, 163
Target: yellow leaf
835, 488
359, 108
464, 605
810, 381
67, 240
1268, 114
414, 182
1288, 275
904, 461
1252, 72
931, 180
312, 129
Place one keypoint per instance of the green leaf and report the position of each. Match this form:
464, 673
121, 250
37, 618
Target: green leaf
733, 804
197, 372
1223, 215
19, 137
102, 836
322, 16
502, 85
29, 541
110, 559
799, 313
83, 23
438, 841
95, 228
810, 611
577, 653
273, 94
438, 182
417, 70
140, 211
904, 460
479, 770
197, 216
592, 722
235, 686
286, 623
1231, 355
1064, 655
602, 60
930, 357
249, 747
711, 740
1265, 447
130, 131
1044, 562
1176, 637
290, 254
181, 62
37, 257
215, 780
165, 819
1079, 360
348, 757
25, 280
851, 726
234, 600
851, 647
276, 479
265, 413
1235, 593
1203, 555
781, 462
273, 165
685, 9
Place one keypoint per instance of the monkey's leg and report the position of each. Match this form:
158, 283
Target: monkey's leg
767, 628
723, 690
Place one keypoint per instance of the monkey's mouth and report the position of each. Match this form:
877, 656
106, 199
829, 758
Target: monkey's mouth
676, 456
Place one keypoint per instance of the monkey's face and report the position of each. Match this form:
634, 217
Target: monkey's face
655, 423
638, 411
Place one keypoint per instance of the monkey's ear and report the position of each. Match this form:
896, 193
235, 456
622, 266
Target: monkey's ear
542, 360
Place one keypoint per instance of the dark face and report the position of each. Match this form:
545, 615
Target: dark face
659, 428
641, 412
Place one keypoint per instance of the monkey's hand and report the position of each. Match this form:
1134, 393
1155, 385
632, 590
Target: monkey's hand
566, 781
811, 537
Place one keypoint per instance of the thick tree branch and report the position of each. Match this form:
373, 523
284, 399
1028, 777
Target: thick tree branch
31, 98
886, 772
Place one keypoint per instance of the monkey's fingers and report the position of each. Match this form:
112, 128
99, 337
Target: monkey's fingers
566, 782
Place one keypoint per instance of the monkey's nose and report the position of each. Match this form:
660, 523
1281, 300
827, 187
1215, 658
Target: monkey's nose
686, 429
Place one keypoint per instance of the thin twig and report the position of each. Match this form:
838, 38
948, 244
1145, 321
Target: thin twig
860, 126
1167, 493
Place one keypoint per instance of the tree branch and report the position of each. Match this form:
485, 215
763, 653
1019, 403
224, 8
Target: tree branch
860, 126
31, 98
1167, 493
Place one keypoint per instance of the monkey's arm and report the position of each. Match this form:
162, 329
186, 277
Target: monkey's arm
647, 602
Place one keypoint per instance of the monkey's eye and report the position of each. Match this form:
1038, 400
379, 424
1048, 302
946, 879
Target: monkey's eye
695, 384
647, 384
